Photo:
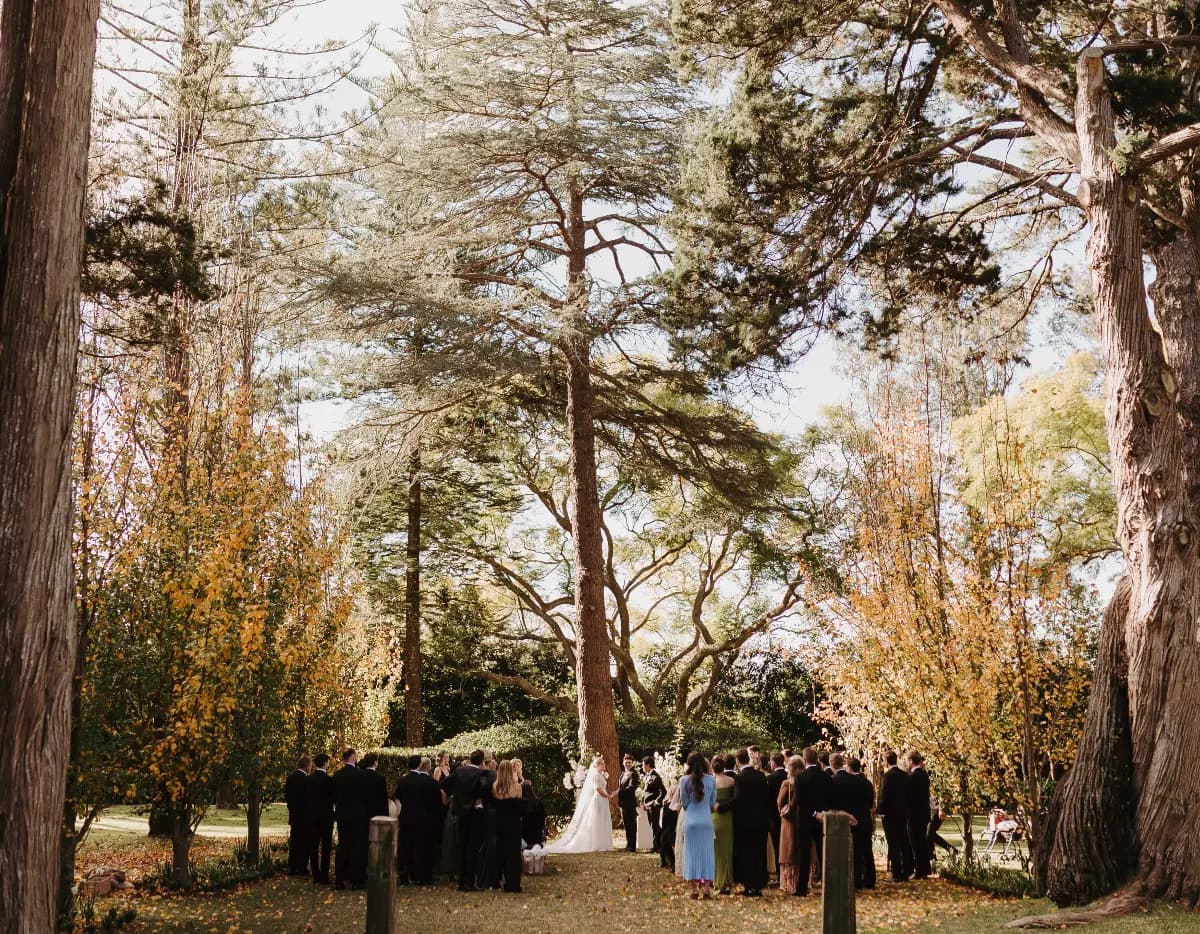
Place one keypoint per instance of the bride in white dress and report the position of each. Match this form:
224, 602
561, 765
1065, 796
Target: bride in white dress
590, 830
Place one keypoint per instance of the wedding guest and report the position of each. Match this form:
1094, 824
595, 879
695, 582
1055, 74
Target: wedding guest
318, 810
893, 808
656, 795
790, 839
489, 863
919, 815
463, 788
812, 789
443, 857
420, 810
935, 839
698, 798
533, 824
509, 806
723, 827
823, 758
775, 782
352, 821
670, 819
627, 786
863, 833
755, 756
294, 796
751, 807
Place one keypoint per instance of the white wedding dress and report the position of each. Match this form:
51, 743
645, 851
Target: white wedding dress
590, 830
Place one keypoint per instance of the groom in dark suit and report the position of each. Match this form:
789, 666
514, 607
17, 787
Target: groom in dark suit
893, 808
656, 797
463, 787
751, 805
627, 787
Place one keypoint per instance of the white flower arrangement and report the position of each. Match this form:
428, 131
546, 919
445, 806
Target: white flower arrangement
573, 780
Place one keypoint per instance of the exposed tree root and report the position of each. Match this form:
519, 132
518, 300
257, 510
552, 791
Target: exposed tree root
1124, 902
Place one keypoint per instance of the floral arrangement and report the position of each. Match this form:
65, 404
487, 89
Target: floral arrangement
573, 780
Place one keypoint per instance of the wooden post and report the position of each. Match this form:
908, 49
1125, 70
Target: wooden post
381, 876
837, 892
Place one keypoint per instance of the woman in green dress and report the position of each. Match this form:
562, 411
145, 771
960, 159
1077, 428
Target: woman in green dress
723, 827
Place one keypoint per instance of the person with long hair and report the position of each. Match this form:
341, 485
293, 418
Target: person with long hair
698, 798
509, 806
723, 828
445, 843
786, 802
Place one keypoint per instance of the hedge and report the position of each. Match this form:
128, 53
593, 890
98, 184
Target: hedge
545, 745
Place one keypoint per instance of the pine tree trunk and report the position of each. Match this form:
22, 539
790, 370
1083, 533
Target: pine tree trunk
414, 710
593, 674
1153, 423
46, 52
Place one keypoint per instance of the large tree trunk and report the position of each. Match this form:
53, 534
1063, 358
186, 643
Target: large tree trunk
1087, 846
46, 52
414, 710
1153, 423
597, 724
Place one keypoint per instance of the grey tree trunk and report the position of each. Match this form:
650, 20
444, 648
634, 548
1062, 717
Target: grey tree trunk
47, 48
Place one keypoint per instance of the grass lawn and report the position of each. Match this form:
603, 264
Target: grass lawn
226, 817
617, 891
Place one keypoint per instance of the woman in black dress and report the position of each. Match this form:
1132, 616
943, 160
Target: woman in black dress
509, 806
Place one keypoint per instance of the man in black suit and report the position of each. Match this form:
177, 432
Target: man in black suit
627, 786
352, 822
656, 797
919, 814
751, 806
420, 809
854, 794
893, 808
463, 788
318, 811
812, 800
294, 796
375, 798
775, 782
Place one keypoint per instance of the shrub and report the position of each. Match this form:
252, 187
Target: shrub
996, 880
545, 745
87, 921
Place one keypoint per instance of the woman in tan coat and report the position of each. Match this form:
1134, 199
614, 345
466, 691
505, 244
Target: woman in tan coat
788, 874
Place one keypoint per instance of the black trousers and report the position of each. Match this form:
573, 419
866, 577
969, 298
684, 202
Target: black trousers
802, 846
415, 854
666, 839
508, 851
750, 856
654, 815
629, 819
297, 849
470, 844
918, 835
350, 861
320, 845
900, 852
776, 825
864, 858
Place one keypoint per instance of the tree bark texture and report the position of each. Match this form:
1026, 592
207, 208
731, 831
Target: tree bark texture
597, 723
47, 48
1088, 844
414, 709
1152, 412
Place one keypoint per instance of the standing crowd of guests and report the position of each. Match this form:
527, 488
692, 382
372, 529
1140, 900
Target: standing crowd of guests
743, 818
471, 822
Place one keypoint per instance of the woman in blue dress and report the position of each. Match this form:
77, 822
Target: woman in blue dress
698, 799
